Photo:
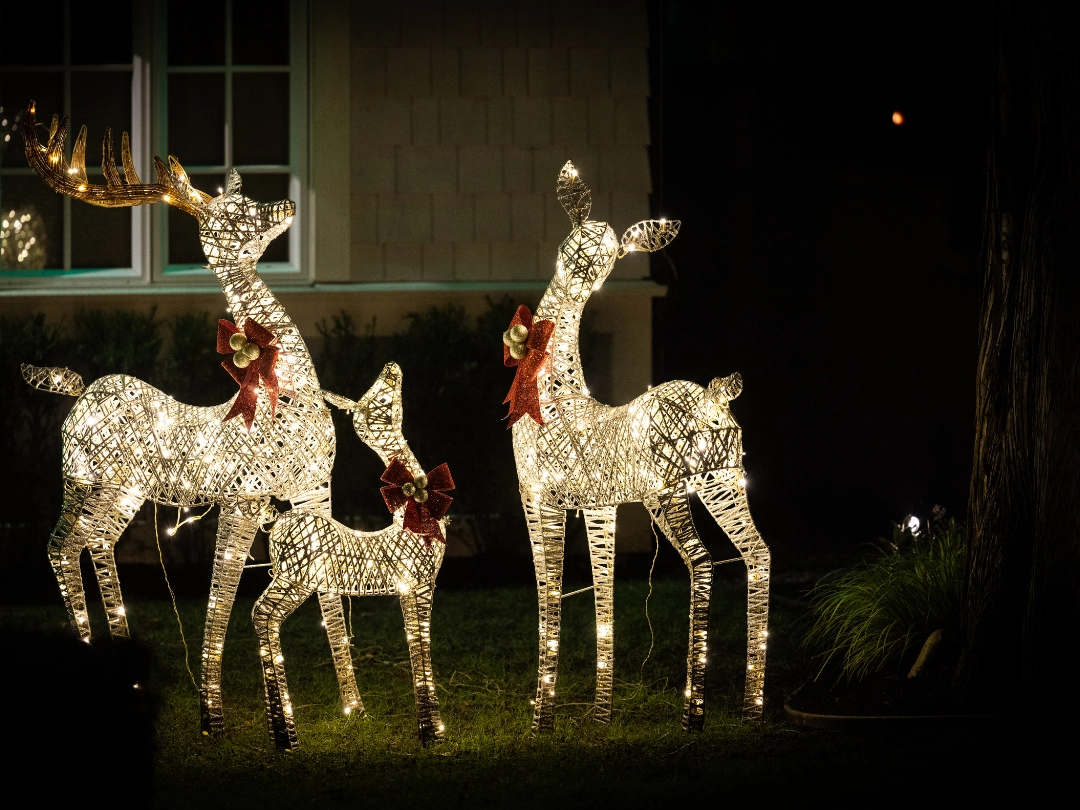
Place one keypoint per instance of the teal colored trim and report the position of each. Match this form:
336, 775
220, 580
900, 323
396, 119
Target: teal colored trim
644, 286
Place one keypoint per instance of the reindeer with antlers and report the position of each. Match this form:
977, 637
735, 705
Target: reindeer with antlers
312, 553
125, 442
575, 453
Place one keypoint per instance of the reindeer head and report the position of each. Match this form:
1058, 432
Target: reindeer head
588, 254
377, 415
233, 228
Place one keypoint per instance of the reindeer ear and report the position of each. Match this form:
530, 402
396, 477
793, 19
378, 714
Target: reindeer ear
233, 186
337, 400
649, 235
574, 195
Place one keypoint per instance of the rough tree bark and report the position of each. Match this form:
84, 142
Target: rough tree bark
1022, 600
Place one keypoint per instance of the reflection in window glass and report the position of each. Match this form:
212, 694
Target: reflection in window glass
261, 116
32, 226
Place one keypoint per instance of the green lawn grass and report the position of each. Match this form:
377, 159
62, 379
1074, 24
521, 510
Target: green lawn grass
484, 651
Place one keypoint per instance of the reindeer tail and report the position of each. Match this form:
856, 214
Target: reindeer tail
55, 379
724, 389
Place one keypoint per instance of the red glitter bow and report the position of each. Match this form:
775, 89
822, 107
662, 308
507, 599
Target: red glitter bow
247, 376
423, 494
524, 396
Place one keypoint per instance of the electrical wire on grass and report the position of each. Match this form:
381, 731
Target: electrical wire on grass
652, 637
172, 594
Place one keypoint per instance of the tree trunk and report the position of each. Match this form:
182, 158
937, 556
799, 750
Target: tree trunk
1022, 600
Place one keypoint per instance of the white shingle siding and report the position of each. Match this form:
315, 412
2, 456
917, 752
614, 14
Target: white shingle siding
463, 113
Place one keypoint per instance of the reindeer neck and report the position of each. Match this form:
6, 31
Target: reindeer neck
563, 375
249, 297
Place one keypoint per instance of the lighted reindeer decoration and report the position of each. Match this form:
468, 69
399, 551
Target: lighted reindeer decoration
311, 553
575, 453
126, 442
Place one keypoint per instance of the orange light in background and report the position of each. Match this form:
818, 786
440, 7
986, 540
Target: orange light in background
898, 118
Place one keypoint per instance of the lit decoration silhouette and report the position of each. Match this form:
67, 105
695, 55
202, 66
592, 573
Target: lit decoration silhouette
312, 553
676, 439
125, 442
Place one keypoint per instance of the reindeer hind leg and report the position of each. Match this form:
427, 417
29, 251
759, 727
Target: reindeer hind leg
600, 530
725, 498
670, 508
271, 609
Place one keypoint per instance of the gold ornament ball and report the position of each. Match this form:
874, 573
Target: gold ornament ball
241, 360
421, 495
518, 351
237, 341
420, 481
252, 350
408, 489
519, 333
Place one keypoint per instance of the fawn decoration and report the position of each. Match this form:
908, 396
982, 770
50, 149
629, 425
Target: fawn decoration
125, 442
575, 453
312, 553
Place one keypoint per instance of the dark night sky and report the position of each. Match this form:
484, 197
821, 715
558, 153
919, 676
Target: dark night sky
826, 253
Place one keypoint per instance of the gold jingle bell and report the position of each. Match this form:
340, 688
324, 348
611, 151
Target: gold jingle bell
408, 490
252, 350
421, 495
519, 333
420, 481
237, 341
518, 350
241, 360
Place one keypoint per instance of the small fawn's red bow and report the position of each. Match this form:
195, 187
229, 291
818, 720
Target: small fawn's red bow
424, 497
525, 346
253, 357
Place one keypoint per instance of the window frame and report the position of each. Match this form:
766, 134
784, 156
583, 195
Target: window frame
149, 136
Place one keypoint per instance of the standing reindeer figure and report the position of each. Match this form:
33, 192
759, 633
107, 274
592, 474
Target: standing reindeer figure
575, 453
311, 553
125, 442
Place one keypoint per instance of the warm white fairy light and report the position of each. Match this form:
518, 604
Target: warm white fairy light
125, 442
312, 553
676, 439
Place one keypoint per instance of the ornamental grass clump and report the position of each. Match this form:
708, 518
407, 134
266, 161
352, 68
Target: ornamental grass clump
868, 617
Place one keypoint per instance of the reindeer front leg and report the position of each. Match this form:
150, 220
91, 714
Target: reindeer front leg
670, 508
271, 609
341, 652
725, 498
416, 609
547, 526
600, 529
238, 523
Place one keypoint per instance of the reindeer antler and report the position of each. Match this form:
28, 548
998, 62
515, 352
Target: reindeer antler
172, 185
